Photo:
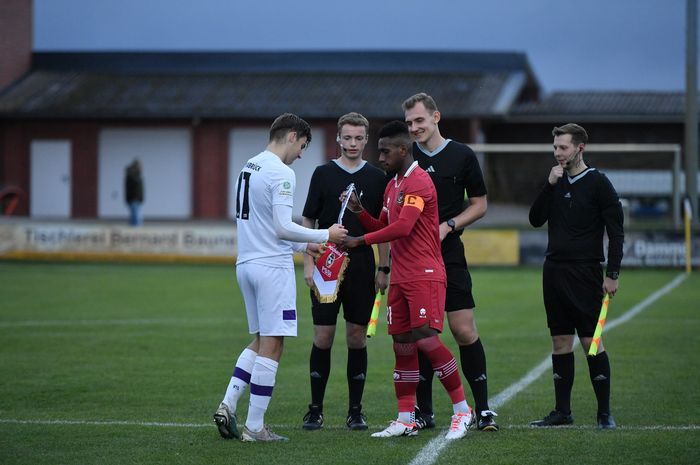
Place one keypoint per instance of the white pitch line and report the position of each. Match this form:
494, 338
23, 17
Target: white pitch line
619, 427
431, 451
331, 427
155, 424
106, 423
124, 322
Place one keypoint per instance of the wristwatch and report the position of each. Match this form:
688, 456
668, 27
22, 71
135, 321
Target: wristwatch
451, 224
384, 269
612, 274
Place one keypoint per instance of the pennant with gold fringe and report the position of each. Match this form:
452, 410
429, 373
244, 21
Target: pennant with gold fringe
329, 273
330, 266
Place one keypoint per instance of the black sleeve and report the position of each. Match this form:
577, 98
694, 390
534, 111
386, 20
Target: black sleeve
314, 198
540, 209
474, 179
611, 211
375, 197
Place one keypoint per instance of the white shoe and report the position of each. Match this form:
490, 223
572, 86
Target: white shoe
264, 435
459, 425
397, 428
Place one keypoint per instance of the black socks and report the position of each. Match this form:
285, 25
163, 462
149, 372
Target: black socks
563, 374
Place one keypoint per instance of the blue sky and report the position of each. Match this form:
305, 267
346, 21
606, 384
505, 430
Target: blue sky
571, 44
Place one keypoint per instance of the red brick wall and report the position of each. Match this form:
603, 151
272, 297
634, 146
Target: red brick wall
210, 158
84, 171
15, 39
210, 170
15, 161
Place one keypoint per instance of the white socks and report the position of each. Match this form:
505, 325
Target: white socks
240, 378
407, 417
461, 407
262, 382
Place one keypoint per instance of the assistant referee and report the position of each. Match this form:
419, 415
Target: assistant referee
579, 204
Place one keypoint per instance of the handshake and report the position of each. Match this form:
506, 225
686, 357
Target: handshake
338, 235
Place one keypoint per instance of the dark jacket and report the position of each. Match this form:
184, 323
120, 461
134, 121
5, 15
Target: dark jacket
133, 183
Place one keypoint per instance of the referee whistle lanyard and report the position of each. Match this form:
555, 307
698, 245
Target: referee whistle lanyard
330, 266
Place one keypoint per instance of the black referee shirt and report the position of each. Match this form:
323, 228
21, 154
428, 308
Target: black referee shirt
454, 169
578, 210
330, 180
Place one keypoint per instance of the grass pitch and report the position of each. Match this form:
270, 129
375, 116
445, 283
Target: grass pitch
126, 363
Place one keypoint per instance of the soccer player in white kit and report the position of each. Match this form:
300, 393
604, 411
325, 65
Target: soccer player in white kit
267, 238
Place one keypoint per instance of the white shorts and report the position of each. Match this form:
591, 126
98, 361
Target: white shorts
270, 296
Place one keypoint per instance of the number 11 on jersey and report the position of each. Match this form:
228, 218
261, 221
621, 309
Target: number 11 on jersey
243, 212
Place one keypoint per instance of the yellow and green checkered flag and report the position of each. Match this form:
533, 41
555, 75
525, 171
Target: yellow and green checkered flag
372, 326
593, 351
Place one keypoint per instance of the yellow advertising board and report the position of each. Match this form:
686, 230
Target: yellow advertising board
187, 243
491, 247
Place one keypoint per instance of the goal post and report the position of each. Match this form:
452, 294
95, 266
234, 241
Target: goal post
663, 183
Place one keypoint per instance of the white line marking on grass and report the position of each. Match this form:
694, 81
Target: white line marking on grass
106, 423
330, 427
431, 451
619, 427
124, 322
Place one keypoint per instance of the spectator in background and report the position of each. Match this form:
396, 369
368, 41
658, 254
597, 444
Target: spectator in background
133, 189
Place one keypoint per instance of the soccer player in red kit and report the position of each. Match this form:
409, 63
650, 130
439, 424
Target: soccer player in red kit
409, 220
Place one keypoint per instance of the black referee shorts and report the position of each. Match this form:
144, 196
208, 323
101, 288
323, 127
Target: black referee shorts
356, 293
573, 292
459, 281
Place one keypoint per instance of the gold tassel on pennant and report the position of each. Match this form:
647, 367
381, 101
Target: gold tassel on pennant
329, 273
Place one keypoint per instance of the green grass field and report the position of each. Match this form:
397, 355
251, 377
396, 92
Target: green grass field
120, 363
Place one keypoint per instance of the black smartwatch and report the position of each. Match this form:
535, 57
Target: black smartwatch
451, 224
384, 269
612, 274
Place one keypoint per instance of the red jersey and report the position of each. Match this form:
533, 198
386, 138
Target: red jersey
409, 220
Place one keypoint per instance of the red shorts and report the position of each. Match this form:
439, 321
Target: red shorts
412, 305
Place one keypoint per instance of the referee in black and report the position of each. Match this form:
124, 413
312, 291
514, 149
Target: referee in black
578, 203
360, 285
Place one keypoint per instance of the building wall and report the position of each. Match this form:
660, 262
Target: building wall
84, 139
511, 178
14, 162
15, 39
210, 170
165, 154
207, 183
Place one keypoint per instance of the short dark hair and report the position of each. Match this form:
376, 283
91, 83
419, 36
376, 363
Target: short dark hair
287, 123
396, 130
578, 134
427, 100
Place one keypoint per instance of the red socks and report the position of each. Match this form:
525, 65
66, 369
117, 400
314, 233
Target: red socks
444, 366
406, 375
